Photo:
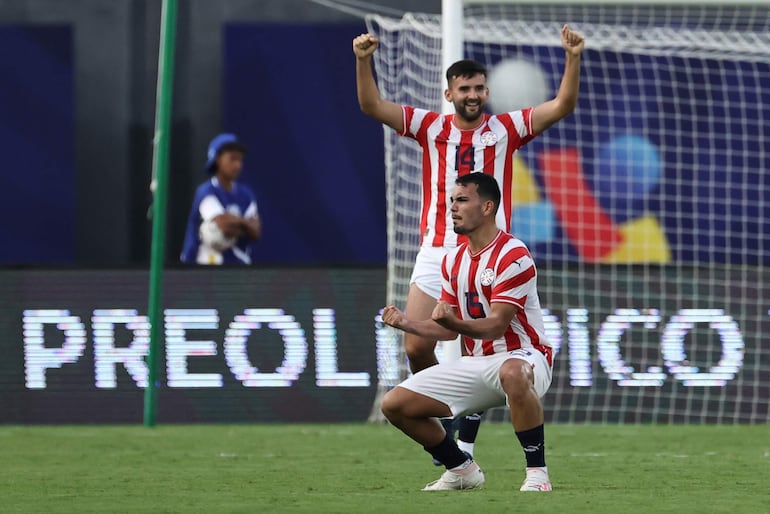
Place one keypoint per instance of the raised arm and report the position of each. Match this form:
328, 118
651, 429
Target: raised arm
548, 113
369, 98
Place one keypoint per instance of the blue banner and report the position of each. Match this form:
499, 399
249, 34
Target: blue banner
314, 160
37, 144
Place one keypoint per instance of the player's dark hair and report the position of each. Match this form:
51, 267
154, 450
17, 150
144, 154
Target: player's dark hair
486, 186
466, 68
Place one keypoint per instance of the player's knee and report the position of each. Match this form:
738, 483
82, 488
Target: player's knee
391, 406
419, 349
516, 378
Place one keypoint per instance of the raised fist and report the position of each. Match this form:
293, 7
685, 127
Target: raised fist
365, 45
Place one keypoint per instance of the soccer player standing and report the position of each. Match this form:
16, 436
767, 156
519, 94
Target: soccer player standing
489, 296
454, 145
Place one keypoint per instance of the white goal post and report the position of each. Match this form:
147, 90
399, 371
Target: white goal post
647, 210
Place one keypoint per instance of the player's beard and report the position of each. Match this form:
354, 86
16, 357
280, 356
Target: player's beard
461, 108
460, 229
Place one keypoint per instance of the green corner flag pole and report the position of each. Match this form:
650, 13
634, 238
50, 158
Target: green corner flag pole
159, 187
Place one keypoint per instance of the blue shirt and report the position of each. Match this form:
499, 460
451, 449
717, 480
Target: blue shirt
210, 201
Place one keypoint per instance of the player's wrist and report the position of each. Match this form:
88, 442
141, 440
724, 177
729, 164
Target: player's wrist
573, 56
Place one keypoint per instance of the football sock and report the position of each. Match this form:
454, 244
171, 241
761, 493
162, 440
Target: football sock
468, 427
448, 453
533, 443
449, 425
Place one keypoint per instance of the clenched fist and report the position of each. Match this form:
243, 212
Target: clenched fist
392, 316
572, 41
365, 45
442, 313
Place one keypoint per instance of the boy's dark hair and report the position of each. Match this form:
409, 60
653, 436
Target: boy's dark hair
466, 68
486, 186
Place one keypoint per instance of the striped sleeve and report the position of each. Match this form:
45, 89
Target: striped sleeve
416, 123
515, 278
412, 120
407, 113
526, 118
448, 292
520, 124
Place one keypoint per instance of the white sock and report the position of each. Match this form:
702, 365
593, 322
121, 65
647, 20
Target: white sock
466, 447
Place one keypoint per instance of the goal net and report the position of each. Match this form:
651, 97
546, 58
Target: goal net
647, 210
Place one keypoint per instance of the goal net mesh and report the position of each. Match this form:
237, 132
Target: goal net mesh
647, 210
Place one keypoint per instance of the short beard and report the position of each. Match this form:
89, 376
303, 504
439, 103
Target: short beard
461, 112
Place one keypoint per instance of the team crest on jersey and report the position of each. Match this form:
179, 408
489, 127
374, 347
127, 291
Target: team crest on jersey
487, 276
488, 138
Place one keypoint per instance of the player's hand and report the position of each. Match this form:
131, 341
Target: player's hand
365, 45
572, 41
443, 313
392, 316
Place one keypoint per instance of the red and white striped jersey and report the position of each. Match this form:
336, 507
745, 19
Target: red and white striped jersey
502, 272
449, 152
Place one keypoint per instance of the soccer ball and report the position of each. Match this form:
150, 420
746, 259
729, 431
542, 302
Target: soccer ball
213, 237
516, 84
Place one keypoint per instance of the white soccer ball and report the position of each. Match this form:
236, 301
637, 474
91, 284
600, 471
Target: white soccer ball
213, 237
516, 84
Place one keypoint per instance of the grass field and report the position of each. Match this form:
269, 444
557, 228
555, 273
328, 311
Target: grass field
374, 468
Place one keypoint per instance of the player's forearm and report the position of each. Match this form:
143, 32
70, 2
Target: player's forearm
570, 83
481, 328
428, 329
368, 93
565, 101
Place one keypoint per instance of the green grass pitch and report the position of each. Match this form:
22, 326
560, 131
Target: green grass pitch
363, 468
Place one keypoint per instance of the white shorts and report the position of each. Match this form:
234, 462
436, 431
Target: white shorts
426, 273
472, 384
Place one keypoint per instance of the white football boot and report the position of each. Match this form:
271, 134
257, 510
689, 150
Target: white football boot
537, 480
471, 478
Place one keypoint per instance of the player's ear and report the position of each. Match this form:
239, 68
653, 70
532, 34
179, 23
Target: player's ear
448, 95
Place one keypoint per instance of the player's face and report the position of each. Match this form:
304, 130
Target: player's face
469, 95
230, 164
467, 209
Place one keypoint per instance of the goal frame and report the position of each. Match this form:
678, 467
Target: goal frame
452, 28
